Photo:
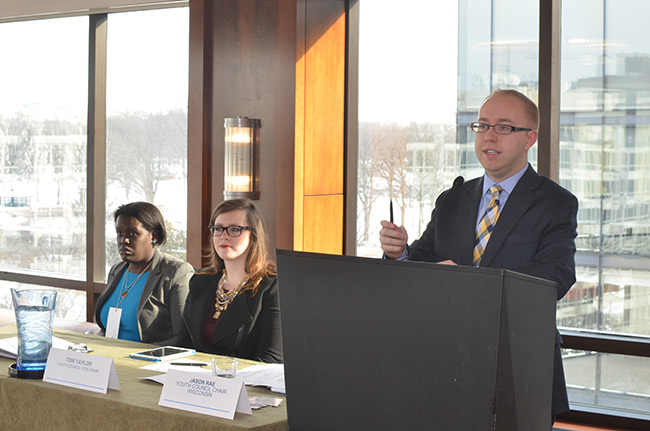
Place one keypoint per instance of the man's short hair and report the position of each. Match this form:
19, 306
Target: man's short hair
531, 109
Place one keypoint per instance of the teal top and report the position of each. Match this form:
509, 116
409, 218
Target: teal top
134, 286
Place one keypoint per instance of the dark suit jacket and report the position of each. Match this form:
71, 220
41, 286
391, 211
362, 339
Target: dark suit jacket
249, 328
160, 310
535, 235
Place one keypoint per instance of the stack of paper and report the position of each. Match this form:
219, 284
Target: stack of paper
269, 375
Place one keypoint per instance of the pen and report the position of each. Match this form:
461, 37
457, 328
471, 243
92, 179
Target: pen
391, 210
189, 364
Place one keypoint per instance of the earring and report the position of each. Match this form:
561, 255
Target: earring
153, 242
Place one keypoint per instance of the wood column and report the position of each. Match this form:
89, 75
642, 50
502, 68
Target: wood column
320, 142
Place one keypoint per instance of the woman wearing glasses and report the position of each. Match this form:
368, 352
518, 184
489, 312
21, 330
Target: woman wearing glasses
145, 293
233, 308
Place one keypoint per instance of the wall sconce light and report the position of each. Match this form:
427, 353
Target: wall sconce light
241, 178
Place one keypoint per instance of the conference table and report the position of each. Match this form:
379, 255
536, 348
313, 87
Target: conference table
34, 404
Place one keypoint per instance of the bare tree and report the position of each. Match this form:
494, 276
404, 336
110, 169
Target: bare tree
393, 162
367, 177
144, 149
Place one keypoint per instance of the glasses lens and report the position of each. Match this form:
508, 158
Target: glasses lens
234, 230
216, 230
503, 129
480, 127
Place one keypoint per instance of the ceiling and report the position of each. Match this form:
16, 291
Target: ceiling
24, 9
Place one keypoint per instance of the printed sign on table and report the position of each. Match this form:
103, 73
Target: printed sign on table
206, 394
81, 370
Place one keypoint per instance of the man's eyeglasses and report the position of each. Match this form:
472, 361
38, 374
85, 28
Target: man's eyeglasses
233, 231
501, 129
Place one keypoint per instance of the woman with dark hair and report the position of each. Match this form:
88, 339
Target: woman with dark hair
145, 293
233, 307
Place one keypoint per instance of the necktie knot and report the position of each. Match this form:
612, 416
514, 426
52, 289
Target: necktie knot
495, 192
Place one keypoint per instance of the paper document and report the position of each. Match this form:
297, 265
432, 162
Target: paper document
269, 375
163, 367
9, 346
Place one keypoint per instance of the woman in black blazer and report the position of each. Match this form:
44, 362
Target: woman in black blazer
233, 307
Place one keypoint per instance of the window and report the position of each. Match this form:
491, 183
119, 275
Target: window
44, 142
407, 114
605, 152
604, 148
70, 304
43, 112
147, 119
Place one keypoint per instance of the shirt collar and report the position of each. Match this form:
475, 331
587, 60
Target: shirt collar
508, 184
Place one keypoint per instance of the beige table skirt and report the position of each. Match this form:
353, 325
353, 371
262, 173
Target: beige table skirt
34, 405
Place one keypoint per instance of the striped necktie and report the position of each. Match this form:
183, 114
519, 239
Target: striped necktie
485, 227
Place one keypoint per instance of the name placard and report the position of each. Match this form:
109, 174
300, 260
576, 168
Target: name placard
205, 394
81, 370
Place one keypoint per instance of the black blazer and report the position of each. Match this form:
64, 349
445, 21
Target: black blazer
249, 328
160, 310
535, 235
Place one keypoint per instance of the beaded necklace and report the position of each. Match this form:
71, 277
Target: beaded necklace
225, 297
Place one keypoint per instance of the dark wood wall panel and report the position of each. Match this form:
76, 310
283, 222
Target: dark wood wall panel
282, 61
245, 67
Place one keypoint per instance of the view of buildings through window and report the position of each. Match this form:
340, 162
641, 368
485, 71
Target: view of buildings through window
43, 117
43, 114
604, 145
43, 139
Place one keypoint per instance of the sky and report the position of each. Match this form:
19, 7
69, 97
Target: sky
414, 81
44, 67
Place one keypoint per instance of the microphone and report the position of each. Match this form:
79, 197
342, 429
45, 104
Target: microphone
457, 183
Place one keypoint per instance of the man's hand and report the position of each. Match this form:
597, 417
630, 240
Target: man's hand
393, 239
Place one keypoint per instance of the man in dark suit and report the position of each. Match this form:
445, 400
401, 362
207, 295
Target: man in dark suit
510, 218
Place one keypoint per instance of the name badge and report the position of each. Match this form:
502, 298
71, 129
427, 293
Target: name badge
113, 322
81, 370
205, 394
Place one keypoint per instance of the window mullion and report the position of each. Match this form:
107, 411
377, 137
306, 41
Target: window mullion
96, 171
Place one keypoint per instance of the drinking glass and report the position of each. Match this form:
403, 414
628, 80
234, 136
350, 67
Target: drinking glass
34, 318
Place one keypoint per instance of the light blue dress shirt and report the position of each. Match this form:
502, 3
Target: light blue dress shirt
508, 186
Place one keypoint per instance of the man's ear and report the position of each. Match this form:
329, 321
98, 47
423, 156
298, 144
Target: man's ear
532, 138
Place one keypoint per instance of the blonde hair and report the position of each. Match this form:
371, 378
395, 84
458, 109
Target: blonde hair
258, 264
531, 110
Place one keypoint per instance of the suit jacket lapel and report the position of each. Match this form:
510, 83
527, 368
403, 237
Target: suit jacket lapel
197, 311
238, 313
469, 204
518, 203
103, 297
236, 316
155, 273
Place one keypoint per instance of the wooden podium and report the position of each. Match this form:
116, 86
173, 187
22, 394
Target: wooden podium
373, 344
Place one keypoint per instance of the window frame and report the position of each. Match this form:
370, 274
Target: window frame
548, 164
94, 283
